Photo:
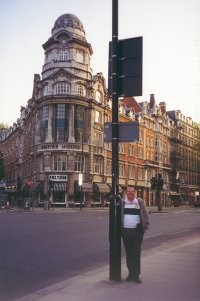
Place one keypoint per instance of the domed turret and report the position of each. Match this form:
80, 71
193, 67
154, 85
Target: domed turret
71, 24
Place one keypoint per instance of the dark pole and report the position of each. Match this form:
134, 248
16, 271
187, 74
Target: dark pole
82, 160
115, 202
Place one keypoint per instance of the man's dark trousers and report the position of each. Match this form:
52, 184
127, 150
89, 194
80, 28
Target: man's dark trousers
132, 239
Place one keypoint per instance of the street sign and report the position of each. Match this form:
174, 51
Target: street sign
29, 182
129, 67
80, 179
128, 131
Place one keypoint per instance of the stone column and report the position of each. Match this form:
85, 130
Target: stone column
50, 123
71, 124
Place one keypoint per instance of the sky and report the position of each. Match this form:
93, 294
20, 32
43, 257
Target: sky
171, 47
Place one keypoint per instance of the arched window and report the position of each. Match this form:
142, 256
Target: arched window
62, 88
80, 90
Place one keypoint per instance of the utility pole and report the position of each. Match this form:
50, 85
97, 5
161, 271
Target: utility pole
115, 201
125, 79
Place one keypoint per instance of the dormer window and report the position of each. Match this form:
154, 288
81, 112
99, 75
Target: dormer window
80, 90
62, 88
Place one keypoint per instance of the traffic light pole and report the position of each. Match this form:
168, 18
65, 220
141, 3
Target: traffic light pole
115, 201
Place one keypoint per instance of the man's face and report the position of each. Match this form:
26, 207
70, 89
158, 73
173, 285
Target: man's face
130, 193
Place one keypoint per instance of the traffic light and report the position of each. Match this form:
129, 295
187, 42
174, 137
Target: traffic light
153, 183
159, 184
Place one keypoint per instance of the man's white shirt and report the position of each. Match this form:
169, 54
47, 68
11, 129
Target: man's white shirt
131, 221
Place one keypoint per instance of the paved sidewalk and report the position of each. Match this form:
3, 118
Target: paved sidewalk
170, 272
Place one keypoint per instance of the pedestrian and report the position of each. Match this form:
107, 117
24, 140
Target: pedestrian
134, 223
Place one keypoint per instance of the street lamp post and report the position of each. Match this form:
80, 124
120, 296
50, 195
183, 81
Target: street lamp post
115, 202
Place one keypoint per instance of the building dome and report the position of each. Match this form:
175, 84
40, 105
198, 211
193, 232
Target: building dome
69, 23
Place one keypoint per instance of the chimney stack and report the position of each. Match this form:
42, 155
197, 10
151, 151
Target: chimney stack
152, 101
162, 106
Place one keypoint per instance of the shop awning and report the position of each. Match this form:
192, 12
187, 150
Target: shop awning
58, 187
87, 187
103, 187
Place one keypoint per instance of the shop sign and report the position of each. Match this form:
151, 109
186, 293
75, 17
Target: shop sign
58, 178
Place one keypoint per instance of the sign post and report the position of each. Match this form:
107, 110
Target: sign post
115, 202
125, 79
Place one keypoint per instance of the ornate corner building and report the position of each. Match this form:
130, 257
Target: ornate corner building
60, 134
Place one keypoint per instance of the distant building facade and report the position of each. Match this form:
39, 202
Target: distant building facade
60, 134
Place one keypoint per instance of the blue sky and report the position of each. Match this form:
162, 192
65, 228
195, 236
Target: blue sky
171, 41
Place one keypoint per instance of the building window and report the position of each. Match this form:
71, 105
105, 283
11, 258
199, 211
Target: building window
79, 124
131, 171
78, 163
140, 152
63, 55
131, 150
46, 89
80, 56
140, 174
62, 88
80, 90
97, 166
45, 116
48, 57
109, 168
99, 97
121, 148
98, 117
141, 136
98, 139
121, 169
60, 163
61, 122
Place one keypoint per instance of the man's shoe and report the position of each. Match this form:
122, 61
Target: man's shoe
129, 278
137, 280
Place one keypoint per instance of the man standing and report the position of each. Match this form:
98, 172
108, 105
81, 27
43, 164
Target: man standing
134, 222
